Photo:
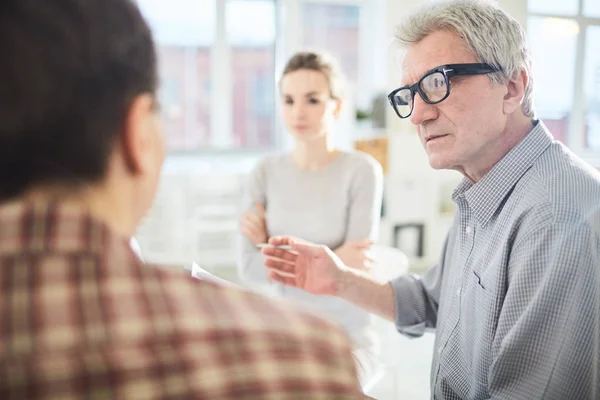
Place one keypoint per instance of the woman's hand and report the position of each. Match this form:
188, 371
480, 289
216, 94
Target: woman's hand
253, 224
356, 254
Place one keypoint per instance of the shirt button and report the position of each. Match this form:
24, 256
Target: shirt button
468, 230
458, 292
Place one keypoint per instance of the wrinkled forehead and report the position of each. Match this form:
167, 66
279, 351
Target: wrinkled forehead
438, 48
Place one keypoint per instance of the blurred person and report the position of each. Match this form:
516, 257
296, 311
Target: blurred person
515, 297
316, 192
81, 316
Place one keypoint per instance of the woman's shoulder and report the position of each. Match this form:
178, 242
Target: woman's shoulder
273, 160
360, 161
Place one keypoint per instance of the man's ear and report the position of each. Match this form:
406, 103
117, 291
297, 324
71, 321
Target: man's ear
136, 138
515, 91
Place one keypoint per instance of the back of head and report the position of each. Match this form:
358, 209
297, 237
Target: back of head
321, 62
69, 71
491, 34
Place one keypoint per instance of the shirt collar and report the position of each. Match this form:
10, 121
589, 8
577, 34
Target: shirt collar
27, 227
485, 196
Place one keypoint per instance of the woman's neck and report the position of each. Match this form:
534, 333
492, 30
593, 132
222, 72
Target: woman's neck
313, 155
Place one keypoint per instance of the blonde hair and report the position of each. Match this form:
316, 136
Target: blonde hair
491, 34
321, 62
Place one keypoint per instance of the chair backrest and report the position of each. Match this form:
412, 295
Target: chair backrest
390, 262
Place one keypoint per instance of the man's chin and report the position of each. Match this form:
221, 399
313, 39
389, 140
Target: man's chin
437, 162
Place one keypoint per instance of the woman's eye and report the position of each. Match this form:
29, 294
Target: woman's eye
289, 101
313, 101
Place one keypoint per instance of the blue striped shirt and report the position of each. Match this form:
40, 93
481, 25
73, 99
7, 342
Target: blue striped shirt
515, 298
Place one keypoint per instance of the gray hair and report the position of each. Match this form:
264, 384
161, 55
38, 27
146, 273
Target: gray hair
491, 34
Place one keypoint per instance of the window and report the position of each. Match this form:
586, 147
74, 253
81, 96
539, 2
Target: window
591, 88
216, 69
565, 37
252, 41
218, 61
553, 95
335, 29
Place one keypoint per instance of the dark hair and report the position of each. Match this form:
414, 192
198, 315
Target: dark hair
69, 71
321, 62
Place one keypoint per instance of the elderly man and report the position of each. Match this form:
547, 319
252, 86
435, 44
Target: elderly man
515, 296
81, 317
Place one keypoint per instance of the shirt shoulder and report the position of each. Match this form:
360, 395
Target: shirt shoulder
360, 165
273, 161
562, 186
241, 309
274, 339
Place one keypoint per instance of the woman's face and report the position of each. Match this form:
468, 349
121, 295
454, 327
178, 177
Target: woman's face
308, 109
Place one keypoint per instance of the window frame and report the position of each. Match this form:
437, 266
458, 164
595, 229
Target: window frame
575, 139
288, 36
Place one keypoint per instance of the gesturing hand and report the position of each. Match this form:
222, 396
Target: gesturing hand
313, 268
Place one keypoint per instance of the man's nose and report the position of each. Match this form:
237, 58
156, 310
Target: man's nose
422, 111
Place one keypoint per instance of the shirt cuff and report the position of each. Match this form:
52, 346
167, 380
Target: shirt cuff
409, 297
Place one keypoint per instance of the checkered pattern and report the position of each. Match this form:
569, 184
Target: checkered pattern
82, 317
515, 298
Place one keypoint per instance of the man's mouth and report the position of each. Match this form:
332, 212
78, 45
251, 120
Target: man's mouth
434, 137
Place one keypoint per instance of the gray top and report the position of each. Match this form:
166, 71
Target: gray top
340, 202
515, 297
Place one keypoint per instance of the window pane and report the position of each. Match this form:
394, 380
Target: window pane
553, 43
591, 89
184, 32
335, 29
252, 43
591, 8
555, 7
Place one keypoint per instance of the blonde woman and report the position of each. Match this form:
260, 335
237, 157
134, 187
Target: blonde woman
342, 210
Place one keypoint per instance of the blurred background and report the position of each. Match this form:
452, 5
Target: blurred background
220, 61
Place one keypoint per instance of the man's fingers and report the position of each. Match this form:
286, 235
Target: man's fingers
283, 279
281, 240
281, 254
283, 266
307, 248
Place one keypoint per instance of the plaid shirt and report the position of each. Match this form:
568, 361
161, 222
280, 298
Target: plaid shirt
82, 317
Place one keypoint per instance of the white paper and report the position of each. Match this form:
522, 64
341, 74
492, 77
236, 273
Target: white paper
200, 273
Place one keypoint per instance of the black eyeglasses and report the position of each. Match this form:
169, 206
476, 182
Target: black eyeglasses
434, 86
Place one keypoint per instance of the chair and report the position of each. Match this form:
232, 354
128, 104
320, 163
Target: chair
390, 262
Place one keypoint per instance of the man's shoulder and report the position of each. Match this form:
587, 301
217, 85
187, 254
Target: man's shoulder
561, 184
235, 308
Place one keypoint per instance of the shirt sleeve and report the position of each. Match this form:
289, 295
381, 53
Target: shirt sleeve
546, 344
417, 299
366, 193
250, 261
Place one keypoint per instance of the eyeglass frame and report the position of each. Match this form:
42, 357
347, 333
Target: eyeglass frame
448, 71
